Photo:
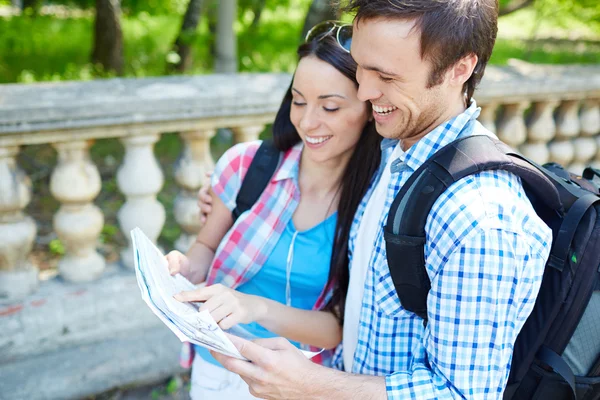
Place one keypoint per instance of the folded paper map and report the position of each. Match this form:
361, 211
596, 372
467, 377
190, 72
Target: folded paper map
158, 288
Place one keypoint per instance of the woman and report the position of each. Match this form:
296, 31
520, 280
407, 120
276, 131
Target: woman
282, 267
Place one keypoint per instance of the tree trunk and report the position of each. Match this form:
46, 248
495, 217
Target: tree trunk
108, 37
258, 9
226, 39
182, 45
33, 5
320, 10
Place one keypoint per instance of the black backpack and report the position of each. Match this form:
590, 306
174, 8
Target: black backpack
261, 169
566, 315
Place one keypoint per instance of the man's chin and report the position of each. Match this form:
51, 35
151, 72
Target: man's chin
387, 131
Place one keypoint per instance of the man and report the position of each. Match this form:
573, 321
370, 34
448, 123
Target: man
419, 62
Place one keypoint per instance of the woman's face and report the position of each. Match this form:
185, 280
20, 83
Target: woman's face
326, 111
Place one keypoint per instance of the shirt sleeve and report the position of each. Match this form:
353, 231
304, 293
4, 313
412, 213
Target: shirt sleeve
479, 300
230, 171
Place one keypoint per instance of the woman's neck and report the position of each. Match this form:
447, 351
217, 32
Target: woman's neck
322, 179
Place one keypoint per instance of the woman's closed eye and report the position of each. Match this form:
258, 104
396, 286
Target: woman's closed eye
298, 103
328, 109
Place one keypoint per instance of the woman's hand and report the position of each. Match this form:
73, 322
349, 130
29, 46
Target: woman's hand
227, 306
178, 263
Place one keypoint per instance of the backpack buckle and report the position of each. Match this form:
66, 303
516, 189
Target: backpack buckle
589, 173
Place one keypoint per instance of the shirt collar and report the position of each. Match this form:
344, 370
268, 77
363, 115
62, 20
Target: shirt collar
289, 166
439, 137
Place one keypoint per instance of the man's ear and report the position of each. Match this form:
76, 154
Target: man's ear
462, 70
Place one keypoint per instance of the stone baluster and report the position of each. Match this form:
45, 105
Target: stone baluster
596, 162
541, 129
590, 125
487, 117
562, 150
246, 133
590, 117
567, 119
18, 277
585, 150
75, 183
511, 127
140, 178
190, 170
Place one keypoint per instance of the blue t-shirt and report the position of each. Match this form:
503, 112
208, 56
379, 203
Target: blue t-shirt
309, 273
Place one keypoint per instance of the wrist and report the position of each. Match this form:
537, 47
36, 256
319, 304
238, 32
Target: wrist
260, 309
320, 379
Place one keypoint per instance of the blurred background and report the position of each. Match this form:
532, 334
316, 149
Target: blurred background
87, 39
44, 42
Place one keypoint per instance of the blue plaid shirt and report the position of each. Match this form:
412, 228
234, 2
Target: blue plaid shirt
485, 255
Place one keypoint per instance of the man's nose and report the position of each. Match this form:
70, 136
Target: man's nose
367, 88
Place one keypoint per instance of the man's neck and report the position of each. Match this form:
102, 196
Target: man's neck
454, 111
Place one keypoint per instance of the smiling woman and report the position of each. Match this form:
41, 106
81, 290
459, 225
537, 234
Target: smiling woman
282, 267
326, 113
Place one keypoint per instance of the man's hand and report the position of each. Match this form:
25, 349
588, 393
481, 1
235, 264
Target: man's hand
277, 369
227, 306
205, 200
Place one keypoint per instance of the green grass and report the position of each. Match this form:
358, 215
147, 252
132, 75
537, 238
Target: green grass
552, 22
546, 51
45, 48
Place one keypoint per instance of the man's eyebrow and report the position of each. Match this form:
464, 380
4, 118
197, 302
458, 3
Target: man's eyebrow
380, 70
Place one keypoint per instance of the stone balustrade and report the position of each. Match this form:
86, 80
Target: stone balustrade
548, 113
69, 116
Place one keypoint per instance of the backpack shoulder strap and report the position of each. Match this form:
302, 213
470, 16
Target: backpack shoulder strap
405, 229
263, 166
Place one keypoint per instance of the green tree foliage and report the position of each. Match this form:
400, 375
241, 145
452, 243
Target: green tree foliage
559, 12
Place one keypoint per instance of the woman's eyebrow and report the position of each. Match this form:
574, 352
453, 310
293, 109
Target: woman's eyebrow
326, 96
297, 91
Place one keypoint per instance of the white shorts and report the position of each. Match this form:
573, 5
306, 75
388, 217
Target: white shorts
211, 382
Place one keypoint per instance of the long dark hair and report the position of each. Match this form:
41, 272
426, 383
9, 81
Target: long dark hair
356, 177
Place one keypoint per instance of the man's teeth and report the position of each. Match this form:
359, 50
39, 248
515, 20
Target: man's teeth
317, 140
384, 110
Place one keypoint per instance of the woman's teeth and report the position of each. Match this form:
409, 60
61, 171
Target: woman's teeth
317, 140
384, 110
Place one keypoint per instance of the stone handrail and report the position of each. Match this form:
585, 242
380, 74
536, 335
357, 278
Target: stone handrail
549, 113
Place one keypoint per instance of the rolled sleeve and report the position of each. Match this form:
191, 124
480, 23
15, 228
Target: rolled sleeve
230, 171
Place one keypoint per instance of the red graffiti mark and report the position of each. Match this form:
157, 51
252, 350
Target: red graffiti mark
78, 292
38, 303
10, 310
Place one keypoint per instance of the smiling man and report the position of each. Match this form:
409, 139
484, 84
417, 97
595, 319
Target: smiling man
418, 64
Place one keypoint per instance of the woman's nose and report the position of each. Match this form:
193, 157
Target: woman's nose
310, 120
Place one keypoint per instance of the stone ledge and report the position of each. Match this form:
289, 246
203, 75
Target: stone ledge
62, 315
131, 103
136, 357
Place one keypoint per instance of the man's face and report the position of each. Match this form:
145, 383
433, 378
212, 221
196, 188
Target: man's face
394, 78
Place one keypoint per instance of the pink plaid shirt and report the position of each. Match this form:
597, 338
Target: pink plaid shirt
250, 241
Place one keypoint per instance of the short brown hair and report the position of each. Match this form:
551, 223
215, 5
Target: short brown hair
450, 30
